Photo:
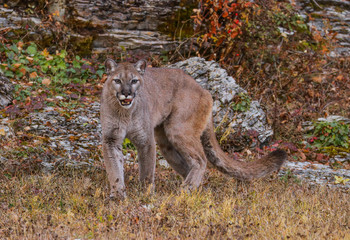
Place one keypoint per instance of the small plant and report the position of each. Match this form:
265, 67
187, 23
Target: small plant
127, 144
39, 75
241, 102
327, 134
289, 176
27, 62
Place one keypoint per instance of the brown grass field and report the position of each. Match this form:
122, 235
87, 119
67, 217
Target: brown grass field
74, 204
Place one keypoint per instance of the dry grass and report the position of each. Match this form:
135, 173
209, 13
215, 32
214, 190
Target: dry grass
74, 204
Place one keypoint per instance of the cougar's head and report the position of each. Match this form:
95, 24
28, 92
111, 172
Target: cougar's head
124, 80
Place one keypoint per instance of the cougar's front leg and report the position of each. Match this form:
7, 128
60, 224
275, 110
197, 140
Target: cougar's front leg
146, 148
114, 163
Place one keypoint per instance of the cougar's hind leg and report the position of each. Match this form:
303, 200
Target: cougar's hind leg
173, 157
184, 128
190, 149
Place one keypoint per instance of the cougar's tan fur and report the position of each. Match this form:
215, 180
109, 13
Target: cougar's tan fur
167, 106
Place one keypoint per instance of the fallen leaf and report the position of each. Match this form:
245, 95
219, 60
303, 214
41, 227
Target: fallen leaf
45, 53
27, 128
2, 132
23, 71
46, 81
104, 78
342, 180
33, 75
340, 77
317, 79
20, 44
16, 65
302, 156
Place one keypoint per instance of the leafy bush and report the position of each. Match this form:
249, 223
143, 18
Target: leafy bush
26, 61
39, 77
222, 22
327, 134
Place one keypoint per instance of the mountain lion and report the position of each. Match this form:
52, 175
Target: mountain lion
167, 106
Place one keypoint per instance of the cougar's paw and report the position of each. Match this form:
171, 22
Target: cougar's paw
117, 195
190, 188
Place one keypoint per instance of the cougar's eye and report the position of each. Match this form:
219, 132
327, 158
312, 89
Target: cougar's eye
134, 81
117, 81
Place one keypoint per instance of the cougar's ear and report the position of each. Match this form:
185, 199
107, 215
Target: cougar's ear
110, 65
141, 66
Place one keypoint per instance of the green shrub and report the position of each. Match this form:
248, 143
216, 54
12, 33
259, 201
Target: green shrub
27, 61
326, 134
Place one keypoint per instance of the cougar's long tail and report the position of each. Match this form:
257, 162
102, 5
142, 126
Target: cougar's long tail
240, 170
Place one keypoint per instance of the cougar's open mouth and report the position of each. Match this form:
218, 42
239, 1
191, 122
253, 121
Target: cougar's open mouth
125, 101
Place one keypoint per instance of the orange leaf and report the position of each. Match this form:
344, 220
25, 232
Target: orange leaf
33, 75
234, 34
20, 44
317, 79
340, 77
22, 70
16, 65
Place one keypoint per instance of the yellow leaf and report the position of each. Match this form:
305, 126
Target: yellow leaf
2, 132
45, 53
342, 180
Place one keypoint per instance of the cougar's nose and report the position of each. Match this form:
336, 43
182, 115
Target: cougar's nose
126, 92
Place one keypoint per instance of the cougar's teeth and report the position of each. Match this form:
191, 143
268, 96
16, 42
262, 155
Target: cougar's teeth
126, 102
122, 97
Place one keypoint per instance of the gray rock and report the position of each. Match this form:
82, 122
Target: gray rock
6, 91
224, 89
338, 14
334, 118
75, 139
317, 174
345, 157
131, 24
